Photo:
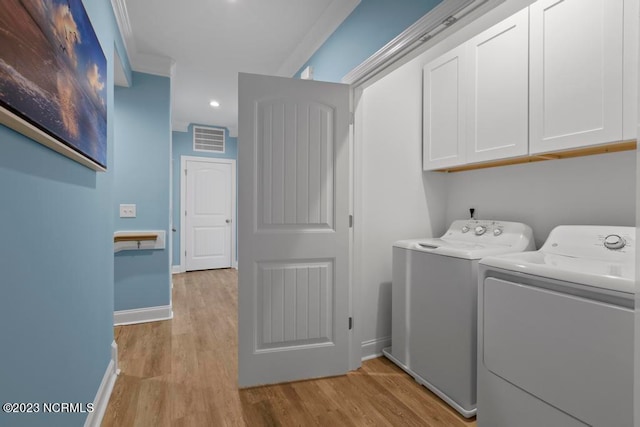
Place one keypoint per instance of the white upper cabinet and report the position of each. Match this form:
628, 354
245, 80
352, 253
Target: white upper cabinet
498, 101
576, 73
630, 71
444, 109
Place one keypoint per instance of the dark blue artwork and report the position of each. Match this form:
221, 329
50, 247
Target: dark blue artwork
53, 72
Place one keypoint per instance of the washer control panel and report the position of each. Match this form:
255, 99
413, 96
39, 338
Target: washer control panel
476, 227
490, 233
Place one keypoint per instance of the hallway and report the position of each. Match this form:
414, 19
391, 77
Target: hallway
183, 372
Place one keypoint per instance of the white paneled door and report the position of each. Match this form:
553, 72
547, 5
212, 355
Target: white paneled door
208, 214
293, 207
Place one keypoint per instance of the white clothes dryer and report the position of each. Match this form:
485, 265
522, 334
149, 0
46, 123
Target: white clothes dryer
434, 304
555, 331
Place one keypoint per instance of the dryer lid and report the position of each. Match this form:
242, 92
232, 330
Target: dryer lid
596, 256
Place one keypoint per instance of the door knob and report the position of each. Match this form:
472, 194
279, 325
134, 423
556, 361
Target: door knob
228, 221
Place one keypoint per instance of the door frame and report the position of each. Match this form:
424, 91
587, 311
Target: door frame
183, 205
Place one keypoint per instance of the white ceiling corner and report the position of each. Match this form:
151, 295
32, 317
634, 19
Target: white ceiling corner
179, 126
203, 44
154, 64
145, 63
326, 24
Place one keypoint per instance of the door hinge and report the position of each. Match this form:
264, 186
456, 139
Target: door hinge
351, 118
350, 323
185, 253
185, 213
350, 221
185, 171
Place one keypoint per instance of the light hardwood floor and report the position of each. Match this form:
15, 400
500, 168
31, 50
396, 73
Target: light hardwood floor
182, 372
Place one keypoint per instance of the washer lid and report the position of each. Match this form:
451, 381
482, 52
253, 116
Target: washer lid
580, 254
454, 248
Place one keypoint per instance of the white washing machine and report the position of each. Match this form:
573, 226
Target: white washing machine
555, 332
434, 304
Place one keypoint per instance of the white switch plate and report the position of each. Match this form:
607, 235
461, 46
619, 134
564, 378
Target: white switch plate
127, 211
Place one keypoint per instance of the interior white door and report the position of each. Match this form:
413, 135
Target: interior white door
293, 207
207, 215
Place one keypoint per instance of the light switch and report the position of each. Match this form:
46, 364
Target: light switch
127, 211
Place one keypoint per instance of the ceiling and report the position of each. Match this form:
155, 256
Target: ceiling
203, 44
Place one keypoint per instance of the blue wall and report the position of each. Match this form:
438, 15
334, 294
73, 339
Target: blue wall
369, 27
183, 146
56, 308
142, 158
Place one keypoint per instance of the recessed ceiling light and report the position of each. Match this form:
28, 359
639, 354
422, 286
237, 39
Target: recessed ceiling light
214, 104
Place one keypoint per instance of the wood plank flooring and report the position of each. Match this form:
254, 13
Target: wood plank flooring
183, 372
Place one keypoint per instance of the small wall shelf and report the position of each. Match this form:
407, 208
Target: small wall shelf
578, 152
138, 240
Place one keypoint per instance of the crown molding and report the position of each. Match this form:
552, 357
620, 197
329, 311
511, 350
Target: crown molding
438, 19
124, 25
323, 28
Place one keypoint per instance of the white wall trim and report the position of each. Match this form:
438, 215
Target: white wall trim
142, 315
323, 28
183, 203
423, 30
175, 269
373, 348
100, 402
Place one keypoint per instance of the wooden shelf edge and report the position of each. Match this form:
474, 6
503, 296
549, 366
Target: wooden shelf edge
135, 238
556, 155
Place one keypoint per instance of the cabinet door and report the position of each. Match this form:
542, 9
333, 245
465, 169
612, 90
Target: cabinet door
576, 73
444, 110
498, 109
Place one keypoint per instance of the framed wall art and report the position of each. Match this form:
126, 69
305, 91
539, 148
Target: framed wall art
53, 78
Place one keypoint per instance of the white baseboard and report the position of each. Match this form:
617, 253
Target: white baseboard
175, 269
142, 315
100, 402
373, 348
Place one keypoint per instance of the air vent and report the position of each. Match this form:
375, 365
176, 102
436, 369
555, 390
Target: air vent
208, 139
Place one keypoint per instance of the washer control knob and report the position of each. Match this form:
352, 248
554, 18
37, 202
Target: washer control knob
479, 230
497, 231
613, 241
465, 229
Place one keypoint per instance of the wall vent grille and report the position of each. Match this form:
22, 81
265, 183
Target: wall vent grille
208, 139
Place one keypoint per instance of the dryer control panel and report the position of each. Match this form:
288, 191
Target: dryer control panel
592, 242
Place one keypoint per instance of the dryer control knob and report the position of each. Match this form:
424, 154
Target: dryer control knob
465, 229
613, 241
479, 230
497, 231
